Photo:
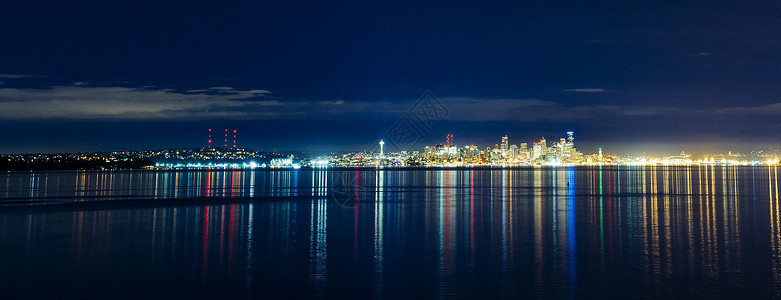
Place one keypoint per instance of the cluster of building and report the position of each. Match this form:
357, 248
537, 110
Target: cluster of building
209, 154
504, 153
542, 152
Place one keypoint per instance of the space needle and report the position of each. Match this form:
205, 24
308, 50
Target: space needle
382, 143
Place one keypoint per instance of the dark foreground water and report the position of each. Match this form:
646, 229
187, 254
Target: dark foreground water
683, 232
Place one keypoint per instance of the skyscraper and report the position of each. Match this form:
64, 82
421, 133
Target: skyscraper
569, 152
539, 149
524, 152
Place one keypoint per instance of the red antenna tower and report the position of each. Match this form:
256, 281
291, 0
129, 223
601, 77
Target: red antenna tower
234, 138
226, 138
449, 138
210, 137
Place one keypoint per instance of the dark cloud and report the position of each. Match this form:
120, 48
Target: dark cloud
83, 102
14, 76
586, 90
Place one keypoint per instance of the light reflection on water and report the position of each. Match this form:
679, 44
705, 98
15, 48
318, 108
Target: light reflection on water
564, 232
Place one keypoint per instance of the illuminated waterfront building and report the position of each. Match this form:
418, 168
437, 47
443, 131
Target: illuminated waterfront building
281, 162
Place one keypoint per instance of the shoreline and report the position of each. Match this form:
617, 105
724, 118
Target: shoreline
412, 168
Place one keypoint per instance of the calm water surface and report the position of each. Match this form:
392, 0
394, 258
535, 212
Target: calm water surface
678, 232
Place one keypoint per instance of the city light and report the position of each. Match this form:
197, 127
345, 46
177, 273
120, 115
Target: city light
503, 154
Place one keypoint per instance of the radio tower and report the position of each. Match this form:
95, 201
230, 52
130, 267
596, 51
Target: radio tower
210, 137
234, 138
226, 138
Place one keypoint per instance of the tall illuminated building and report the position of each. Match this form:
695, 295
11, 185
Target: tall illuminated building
524, 151
561, 150
382, 145
474, 152
513, 152
543, 147
537, 150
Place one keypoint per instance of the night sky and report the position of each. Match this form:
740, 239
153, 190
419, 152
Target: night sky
658, 76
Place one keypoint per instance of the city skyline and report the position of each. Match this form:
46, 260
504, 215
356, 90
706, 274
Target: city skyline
505, 154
